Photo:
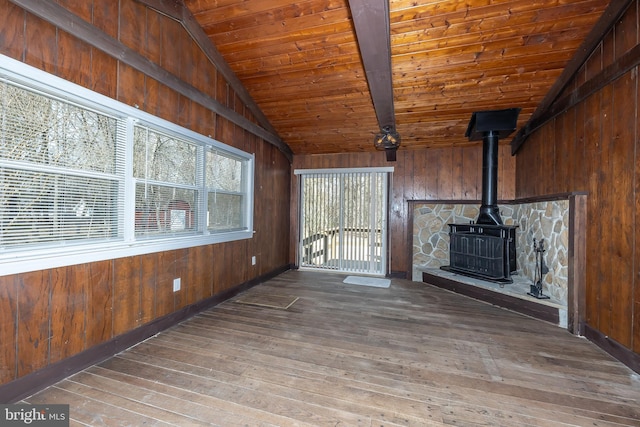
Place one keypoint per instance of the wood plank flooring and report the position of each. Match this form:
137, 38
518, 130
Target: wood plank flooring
349, 355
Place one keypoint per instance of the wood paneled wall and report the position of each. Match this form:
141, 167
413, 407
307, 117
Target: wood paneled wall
449, 173
594, 147
47, 316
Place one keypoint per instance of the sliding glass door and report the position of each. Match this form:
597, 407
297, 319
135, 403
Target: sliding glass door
343, 220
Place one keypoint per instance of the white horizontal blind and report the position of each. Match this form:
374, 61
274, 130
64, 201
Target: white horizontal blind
165, 169
226, 199
61, 171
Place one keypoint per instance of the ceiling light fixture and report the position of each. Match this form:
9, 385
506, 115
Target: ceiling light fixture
389, 141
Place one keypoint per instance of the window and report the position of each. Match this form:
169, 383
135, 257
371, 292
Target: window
61, 171
84, 177
165, 169
226, 200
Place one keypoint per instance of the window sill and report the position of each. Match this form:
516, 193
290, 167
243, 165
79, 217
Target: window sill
62, 256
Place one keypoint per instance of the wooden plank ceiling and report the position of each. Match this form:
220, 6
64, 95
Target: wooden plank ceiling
301, 64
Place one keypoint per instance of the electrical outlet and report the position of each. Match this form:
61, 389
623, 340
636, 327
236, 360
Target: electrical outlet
253, 260
176, 284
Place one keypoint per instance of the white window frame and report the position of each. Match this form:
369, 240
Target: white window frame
14, 261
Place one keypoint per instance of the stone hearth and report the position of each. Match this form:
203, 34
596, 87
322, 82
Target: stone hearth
550, 309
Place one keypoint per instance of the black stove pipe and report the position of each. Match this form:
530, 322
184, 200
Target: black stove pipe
489, 212
489, 126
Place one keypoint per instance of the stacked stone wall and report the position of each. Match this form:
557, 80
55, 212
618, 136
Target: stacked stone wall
542, 221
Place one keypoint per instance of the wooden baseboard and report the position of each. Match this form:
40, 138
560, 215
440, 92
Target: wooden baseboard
36, 381
614, 348
529, 308
397, 275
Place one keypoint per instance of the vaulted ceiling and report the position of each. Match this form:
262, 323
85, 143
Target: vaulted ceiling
302, 63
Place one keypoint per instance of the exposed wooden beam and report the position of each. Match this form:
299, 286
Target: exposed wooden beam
609, 74
78, 27
178, 11
609, 17
371, 21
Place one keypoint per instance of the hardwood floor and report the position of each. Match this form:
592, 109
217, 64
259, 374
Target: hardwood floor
349, 355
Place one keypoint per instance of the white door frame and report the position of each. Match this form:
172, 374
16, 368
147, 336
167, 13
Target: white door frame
317, 250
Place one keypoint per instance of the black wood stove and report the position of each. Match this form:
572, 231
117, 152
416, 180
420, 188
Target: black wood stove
487, 248
482, 250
